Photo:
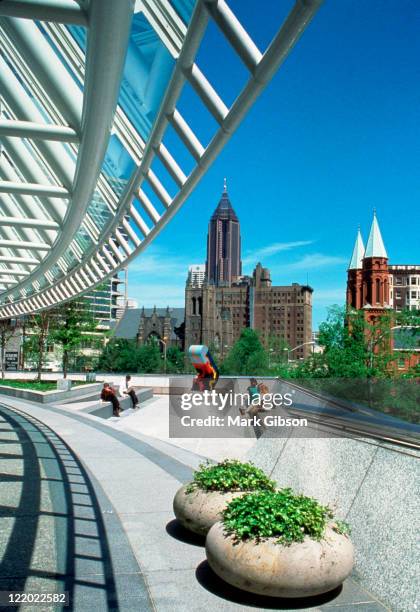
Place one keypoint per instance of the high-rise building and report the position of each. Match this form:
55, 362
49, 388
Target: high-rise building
104, 301
223, 264
227, 302
215, 316
196, 275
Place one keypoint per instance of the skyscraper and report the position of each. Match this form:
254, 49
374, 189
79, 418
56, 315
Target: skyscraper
226, 302
223, 265
196, 275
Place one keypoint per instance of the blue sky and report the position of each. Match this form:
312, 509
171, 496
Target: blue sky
335, 135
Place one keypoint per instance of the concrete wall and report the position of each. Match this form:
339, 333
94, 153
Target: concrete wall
374, 486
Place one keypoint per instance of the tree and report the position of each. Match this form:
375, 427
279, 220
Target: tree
7, 329
72, 324
343, 336
174, 360
277, 348
119, 355
36, 344
356, 348
247, 356
149, 358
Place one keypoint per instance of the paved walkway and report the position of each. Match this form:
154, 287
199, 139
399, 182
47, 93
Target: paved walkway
87, 508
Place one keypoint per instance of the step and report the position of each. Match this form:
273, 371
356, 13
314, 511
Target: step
102, 409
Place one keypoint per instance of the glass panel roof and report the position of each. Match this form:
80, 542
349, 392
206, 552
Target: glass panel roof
148, 67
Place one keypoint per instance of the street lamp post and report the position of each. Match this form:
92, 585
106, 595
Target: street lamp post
297, 347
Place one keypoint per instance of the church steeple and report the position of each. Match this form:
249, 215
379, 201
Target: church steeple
356, 262
375, 245
375, 271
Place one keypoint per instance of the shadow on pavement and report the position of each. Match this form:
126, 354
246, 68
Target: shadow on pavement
177, 531
77, 532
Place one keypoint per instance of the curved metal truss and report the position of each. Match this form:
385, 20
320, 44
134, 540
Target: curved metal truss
90, 92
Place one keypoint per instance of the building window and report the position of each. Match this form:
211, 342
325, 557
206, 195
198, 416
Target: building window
378, 291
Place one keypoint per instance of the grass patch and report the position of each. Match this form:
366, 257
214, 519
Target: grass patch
34, 385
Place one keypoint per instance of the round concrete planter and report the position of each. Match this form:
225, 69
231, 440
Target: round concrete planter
199, 510
266, 568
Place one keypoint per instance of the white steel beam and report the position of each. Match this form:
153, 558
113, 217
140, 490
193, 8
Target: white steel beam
47, 68
22, 222
261, 67
23, 260
29, 129
53, 191
107, 45
21, 244
55, 154
187, 135
31, 172
12, 273
234, 32
62, 11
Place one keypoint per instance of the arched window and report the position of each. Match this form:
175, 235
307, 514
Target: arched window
194, 305
386, 292
200, 306
378, 291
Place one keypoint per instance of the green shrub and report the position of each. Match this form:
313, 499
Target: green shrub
230, 475
280, 514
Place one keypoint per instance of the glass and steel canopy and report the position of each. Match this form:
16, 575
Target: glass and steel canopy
89, 91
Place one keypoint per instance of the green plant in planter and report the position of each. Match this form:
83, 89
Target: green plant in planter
280, 514
230, 475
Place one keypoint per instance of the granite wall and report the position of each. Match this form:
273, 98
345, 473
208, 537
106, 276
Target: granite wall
372, 485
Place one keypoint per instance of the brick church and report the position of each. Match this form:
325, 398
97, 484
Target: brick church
375, 286
226, 301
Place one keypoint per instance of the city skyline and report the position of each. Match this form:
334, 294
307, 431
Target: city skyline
333, 139
179, 270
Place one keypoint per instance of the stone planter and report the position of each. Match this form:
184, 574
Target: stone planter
199, 510
266, 568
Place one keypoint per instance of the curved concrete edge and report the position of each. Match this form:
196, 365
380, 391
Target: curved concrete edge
371, 485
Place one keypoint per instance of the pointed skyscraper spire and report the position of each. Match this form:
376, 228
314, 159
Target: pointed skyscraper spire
224, 209
356, 262
223, 265
375, 245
